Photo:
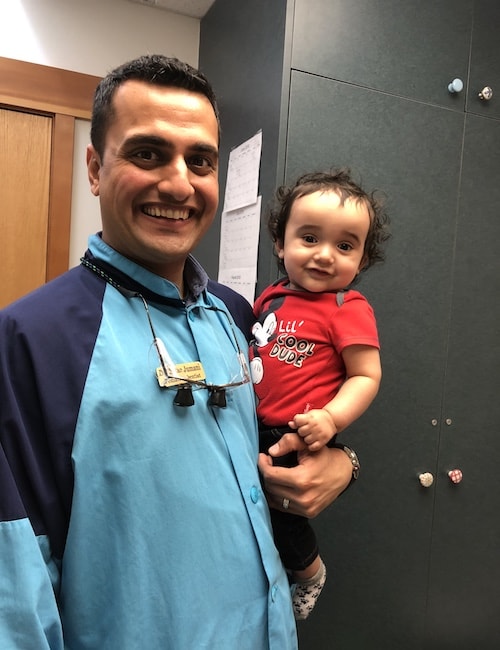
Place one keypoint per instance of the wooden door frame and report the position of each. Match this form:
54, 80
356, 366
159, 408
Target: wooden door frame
64, 96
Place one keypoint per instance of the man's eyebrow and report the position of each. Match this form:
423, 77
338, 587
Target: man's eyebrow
142, 139
203, 147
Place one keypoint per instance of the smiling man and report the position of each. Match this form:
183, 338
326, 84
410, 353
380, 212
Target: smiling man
131, 510
157, 175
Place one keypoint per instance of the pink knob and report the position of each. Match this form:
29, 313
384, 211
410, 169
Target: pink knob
455, 475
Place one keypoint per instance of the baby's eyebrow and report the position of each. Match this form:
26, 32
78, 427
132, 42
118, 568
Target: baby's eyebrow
312, 229
352, 235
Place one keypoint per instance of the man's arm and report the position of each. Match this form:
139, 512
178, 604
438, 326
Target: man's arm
29, 617
313, 484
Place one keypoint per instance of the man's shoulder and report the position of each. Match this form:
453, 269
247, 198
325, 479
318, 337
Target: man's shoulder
70, 293
236, 304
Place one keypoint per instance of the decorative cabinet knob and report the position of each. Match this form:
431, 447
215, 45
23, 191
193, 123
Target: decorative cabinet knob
455, 475
426, 479
456, 86
486, 94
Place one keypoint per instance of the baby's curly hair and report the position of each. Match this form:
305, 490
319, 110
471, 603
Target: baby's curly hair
341, 182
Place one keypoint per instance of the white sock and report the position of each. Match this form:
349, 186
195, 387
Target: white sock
307, 593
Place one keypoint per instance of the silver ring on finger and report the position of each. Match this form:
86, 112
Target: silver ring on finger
285, 503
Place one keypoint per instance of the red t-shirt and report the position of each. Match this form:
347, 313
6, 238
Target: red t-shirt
296, 352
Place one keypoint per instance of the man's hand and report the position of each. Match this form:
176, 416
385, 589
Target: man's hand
310, 487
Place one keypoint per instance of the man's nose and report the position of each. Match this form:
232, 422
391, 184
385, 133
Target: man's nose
176, 180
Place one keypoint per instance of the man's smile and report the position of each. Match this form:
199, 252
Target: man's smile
167, 213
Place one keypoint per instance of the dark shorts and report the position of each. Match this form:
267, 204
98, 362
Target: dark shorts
293, 535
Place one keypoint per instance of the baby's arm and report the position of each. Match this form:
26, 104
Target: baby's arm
315, 426
363, 374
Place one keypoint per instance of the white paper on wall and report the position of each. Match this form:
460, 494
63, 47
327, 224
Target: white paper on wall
240, 222
238, 249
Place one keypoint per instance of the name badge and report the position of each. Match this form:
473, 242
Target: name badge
190, 371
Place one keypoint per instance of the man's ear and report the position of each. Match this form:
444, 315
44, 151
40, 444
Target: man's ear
93, 169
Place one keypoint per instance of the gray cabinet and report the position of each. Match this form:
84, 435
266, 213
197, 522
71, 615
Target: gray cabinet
484, 59
407, 49
464, 572
364, 84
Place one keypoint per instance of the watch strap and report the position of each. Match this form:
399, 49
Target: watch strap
353, 457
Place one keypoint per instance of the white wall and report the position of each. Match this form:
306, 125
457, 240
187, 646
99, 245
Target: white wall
91, 36
85, 213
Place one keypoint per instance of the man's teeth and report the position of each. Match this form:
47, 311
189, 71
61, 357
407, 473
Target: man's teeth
168, 213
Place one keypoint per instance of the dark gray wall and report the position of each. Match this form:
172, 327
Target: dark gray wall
365, 84
241, 52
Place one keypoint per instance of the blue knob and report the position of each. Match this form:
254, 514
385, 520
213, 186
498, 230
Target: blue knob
456, 86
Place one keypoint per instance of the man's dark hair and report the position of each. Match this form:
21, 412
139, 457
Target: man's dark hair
154, 69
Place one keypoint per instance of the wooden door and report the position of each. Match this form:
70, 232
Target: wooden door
25, 146
38, 107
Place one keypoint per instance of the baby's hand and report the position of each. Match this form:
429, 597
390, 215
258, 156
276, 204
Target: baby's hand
316, 428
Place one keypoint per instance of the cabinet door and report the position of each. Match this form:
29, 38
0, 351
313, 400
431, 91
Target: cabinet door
410, 49
376, 538
465, 559
485, 59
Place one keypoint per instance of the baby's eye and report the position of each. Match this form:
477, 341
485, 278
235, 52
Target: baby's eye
309, 239
345, 246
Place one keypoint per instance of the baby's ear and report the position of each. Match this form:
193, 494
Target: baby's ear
363, 264
278, 247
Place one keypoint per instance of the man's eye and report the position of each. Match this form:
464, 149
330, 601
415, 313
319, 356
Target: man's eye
147, 155
201, 163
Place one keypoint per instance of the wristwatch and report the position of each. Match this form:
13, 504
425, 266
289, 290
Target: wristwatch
353, 457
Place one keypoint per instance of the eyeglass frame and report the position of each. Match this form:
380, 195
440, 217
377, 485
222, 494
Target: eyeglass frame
217, 392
